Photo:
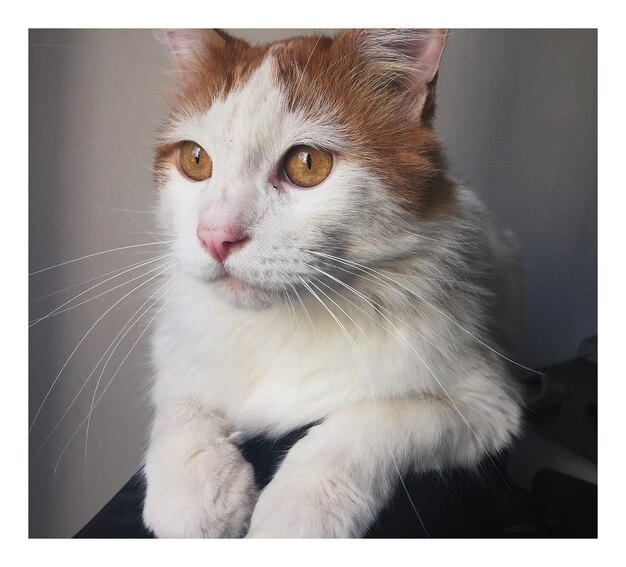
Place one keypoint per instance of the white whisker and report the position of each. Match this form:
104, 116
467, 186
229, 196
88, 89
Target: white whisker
130, 214
128, 210
59, 309
119, 342
348, 316
305, 309
135, 264
170, 264
293, 309
87, 380
292, 313
98, 254
107, 386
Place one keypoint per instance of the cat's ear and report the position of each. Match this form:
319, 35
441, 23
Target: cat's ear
411, 55
188, 46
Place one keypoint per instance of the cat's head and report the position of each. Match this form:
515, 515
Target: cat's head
276, 158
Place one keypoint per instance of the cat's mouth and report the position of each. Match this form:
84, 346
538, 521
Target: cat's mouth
242, 287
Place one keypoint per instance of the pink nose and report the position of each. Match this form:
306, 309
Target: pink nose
219, 243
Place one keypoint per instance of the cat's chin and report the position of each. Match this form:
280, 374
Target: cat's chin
243, 295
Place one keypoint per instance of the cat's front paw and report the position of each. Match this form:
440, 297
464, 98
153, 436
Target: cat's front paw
324, 508
209, 492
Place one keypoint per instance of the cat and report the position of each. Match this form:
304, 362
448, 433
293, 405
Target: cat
330, 273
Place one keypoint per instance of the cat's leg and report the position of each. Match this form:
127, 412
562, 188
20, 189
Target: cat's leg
198, 483
335, 481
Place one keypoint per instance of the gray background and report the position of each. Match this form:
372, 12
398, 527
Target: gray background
517, 111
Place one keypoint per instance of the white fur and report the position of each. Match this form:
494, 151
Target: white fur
200, 485
406, 387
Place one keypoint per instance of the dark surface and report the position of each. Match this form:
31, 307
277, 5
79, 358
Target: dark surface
121, 516
453, 504
573, 422
564, 506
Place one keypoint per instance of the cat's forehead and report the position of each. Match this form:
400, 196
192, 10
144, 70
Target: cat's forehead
262, 91
216, 73
254, 117
253, 100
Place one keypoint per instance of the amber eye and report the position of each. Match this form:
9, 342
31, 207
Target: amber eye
195, 162
306, 166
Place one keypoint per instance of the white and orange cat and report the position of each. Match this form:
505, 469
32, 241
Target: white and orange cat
330, 273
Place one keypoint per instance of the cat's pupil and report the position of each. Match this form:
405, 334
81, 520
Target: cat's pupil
196, 154
306, 158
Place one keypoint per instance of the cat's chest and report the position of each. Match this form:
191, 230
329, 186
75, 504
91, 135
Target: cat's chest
266, 371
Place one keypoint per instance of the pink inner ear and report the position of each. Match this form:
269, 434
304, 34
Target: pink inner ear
417, 52
429, 53
424, 49
184, 44
187, 44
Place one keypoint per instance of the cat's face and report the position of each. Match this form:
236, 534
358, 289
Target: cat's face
276, 154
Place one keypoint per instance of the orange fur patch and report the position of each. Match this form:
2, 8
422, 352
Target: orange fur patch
225, 64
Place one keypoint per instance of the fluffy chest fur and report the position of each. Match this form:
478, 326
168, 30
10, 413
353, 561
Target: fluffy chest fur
283, 367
